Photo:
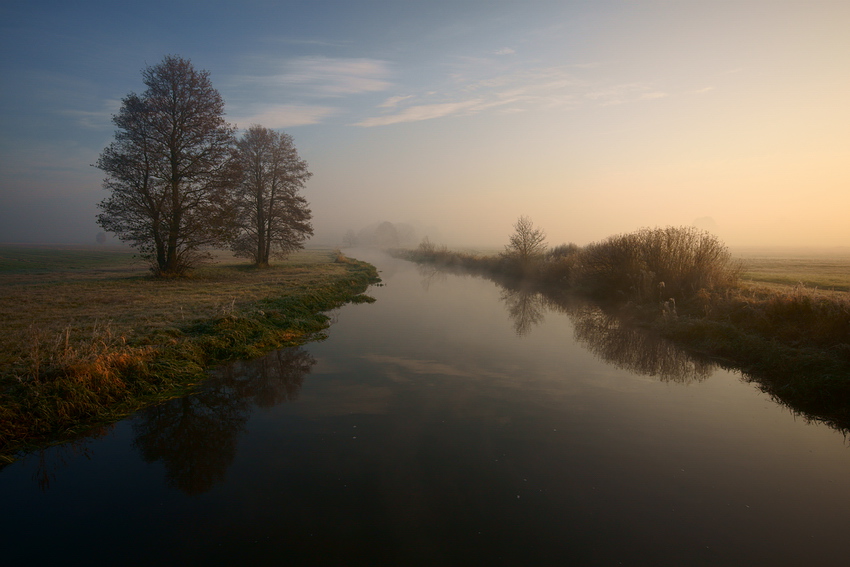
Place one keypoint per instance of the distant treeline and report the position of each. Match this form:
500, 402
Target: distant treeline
381, 235
647, 266
683, 284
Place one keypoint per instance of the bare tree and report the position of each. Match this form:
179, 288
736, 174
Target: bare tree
273, 218
527, 242
350, 238
168, 168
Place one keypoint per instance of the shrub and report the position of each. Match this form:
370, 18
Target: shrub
558, 264
655, 264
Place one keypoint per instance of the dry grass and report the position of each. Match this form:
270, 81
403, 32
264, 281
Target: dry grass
77, 291
87, 336
825, 271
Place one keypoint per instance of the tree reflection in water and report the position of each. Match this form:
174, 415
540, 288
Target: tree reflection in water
196, 436
606, 336
526, 308
431, 274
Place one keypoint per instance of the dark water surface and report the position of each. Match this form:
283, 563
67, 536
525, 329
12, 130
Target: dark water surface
450, 423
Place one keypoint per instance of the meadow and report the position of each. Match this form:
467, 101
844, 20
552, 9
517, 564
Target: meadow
87, 335
823, 269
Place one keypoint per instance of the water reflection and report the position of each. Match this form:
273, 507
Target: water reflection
196, 436
636, 350
606, 336
51, 460
526, 308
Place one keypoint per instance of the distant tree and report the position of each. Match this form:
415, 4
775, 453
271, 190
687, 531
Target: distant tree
386, 235
350, 238
273, 219
527, 242
100, 238
168, 167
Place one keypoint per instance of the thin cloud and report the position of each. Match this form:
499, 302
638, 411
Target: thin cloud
287, 116
518, 92
394, 101
621, 94
325, 76
95, 119
422, 112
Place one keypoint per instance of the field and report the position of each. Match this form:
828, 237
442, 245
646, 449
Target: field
824, 269
48, 291
87, 335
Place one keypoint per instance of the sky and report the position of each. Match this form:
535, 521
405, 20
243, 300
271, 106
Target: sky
592, 118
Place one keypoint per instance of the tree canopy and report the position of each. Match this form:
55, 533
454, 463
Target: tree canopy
169, 167
272, 218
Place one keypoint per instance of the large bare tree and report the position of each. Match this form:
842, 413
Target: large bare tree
273, 217
169, 167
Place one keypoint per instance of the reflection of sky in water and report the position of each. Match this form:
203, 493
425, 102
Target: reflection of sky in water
426, 430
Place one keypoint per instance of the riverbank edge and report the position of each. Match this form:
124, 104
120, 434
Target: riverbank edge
76, 399
812, 380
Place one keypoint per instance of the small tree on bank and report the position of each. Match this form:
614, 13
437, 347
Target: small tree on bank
527, 242
272, 218
168, 168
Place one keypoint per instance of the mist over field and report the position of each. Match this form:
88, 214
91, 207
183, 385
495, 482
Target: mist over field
455, 119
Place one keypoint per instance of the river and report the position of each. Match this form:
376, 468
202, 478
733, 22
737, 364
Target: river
452, 422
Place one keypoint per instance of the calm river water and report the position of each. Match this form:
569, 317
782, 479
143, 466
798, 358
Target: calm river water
450, 423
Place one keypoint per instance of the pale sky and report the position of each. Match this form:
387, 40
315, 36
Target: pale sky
591, 117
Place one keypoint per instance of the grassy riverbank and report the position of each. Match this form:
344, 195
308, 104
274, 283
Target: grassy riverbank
88, 336
793, 340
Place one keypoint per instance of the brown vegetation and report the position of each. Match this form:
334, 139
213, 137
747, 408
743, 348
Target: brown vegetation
683, 284
87, 346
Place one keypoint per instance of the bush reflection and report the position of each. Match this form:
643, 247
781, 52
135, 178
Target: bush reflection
607, 336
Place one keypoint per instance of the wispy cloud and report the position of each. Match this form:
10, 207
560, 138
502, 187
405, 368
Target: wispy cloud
286, 116
422, 112
507, 92
325, 76
305, 82
95, 119
623, 93
394, 101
